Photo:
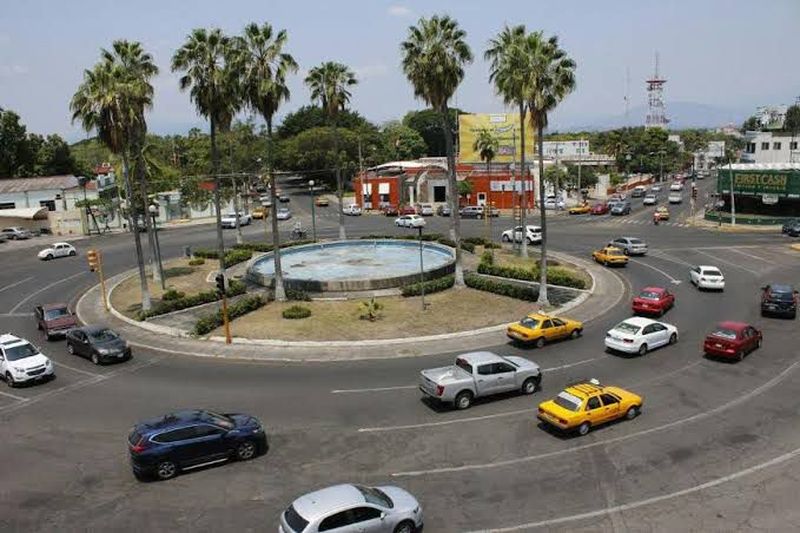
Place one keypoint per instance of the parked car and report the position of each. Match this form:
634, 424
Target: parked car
98, 344
353, 210
653, 300
707, 277
406, 210
228, 220
471, 211
640, 335
353, 508
585, 405
22, 362
183, 440
284, 213
600, 208
638, 191
443, 210
610, 255
533, 234
792, 228
623, 207
478, 374
321, 201
409, 221
538, 328
650, 199
630, 245
57, 249
389, 210
260, 212
426, 210
779, 300
581, 209
16, 233
675, 198
732, 340
54, 319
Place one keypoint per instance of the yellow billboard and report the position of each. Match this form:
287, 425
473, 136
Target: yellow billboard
506, 128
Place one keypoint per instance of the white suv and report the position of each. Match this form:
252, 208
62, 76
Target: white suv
533, 234
22, 362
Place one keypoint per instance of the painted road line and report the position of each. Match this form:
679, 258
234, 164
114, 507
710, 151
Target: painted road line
445, 422
751, 255
20, 282
18, 398
666, 257
670, 278
31, 295
728, 262
78, 370
376, 389
12, 315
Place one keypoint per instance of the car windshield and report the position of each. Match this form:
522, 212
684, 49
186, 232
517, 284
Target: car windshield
529, 322
375, 496
103, 335
221, 420
627, 327
635, 241
294, 520
21, 351
782, 296
52, 314
568, 401
614, 252
724, 333
649, 295
712, 272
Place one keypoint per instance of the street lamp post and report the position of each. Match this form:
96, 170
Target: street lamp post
421, 269
313, 211
154, 213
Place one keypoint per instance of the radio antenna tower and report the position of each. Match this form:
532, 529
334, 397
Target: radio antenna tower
656, 110
627, 97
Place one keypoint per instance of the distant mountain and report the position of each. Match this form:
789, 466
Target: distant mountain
681, 115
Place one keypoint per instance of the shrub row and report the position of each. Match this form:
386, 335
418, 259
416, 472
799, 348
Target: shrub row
296, 312
297, 295
555, 275
172, 294
173, 272
210, 322
197, 261
502, 288
234, 257
235, 288
431, 286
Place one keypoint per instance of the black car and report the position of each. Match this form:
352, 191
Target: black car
443, 210
98, 343
185, 440
780, 300
792, 228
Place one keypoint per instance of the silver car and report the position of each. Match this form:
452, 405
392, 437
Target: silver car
630, 245
351, 509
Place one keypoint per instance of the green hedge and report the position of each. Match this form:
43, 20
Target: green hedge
197, 262
210, 322
172, 294
431, 286
297, 295
235, 288
555, 275
502, 288
234, 257
173, 272
296, 312
564, 278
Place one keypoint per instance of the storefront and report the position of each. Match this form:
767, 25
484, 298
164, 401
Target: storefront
771, 189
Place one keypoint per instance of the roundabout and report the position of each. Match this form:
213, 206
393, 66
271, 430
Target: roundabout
715, 447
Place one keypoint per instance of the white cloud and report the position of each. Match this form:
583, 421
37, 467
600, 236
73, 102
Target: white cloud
399, 11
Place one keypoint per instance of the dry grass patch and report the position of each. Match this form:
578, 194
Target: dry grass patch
447, 312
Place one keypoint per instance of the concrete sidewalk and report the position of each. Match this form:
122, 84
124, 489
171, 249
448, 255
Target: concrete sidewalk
608, 290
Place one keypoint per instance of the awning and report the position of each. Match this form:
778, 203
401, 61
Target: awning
27, 213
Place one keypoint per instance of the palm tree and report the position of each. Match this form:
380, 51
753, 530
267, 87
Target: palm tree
510, 73
552, 79
209, 68
434, 56
112, 100
265, 67
329, 84
486, 144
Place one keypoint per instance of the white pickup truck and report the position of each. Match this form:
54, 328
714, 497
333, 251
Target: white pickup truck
477, 374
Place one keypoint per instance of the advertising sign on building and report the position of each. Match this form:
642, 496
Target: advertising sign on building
505, 127
780, 183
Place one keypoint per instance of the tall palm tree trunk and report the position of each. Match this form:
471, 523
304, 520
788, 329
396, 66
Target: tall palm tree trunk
339, 184
452, 185
239, 239
523, 205
280, 291
215, 171
543, 263
141, 178
136, 237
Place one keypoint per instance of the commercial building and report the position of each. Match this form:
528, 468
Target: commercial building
770, 147
771, 189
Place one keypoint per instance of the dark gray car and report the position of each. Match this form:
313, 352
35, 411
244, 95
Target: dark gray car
98, 343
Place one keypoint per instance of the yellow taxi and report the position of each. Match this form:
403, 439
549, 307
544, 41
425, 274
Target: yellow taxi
663, 213
610, 255
538, 328
582, 209
321, 201
259, 212
587, 404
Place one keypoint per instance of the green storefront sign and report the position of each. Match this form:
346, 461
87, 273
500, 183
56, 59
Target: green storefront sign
781, 183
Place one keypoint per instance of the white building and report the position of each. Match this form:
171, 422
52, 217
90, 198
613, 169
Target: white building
771, 117
768, 147
566, 149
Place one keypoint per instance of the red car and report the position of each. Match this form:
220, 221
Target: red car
732, 340
653, 300
599, 209
407, 210
389, 210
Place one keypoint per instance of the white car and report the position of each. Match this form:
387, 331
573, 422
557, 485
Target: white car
409, 221
533, 234
228, 220
676, 186
650, 199
640, 335
284, 213
675, 198
425, 210
352, 210
552, 203
57, 249
707, 277
22, 362
655, 188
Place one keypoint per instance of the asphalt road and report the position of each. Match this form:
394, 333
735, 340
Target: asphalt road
716, 447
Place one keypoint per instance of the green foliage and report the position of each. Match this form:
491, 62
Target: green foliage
477, 241
468, 246
234, 257
428, 124
493, 245
209, 323
431, 286
172, 294
174, 272
464, 187
312, 116
297, 295
502, 288
267, 247
513, 272
370, 310
235, 288
487, 258
425, 237
25, 154
403, 143
205, 253
296, 312
555, 275
197, 262
792, 122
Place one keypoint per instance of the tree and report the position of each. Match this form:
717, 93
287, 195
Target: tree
329, 84
266, 66
552, 79
112, 100
751, 124
402, 142
208, 63
312, 116
428, 124
54, 158
434, 56
487, 145
792, 125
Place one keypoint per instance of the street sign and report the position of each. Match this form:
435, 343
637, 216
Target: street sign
769, 199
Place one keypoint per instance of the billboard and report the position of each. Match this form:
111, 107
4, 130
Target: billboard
781, 183
505, 126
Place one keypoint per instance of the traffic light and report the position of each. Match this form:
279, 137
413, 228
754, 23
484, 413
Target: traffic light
94, 260
694, 192
220, 279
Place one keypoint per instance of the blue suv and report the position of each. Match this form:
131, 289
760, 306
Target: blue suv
185, 440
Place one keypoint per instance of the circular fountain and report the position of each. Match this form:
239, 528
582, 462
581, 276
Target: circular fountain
350, 266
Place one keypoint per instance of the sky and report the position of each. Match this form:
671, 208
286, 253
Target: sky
731, 54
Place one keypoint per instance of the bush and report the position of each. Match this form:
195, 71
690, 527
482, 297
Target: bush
564, 278
210, 322
468, 246
197, 262
487, 258
263, 247
411, 237
431, 286
205, 253
297, 295
172, 294
502, 288
177, 271
490, 245
370, 310
235, 288
526, 274
234, 257
296, 312
477, 241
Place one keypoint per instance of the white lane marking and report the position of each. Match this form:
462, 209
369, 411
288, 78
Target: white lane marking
444, 423
31, 295
19, 398
570, 365
648, 501
376, 389
20, 282
751, 255
530, 458
670, 278
9, 315
93, 374
727, 262
666, 257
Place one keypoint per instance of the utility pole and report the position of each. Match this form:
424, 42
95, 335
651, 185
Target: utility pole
730, 186
513, 187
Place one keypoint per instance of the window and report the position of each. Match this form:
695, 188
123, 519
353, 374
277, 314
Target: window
335, 521
21, 351
776, 146
558, 322
503, 368
609, 399
362, 514
593, 403
439, 193
547, 324
295, 521
486, 370
207, 431
648, 329
175, 435
793, 145
375, 496
750, 148
8, 205
765, 146
49, 204
567, 401
463, 365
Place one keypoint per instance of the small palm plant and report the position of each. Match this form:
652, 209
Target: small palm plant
370, 310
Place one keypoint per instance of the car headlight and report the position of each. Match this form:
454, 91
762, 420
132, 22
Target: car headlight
103, 351
48, 364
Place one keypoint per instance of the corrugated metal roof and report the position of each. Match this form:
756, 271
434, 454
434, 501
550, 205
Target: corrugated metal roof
760, 166
42, 183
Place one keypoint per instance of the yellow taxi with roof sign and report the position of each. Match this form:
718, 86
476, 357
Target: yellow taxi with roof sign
538, 328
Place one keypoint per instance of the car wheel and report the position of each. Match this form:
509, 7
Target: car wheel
643, 349
48, 257
625, 251
632, 412
10, 380
72, 253
575, 333
540, 342
506, 238
95, 359
463, 400
529, 386
246, 451
166, 470
605, 263
584, 428
70, 348
404, 527
740, 355
673, 338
